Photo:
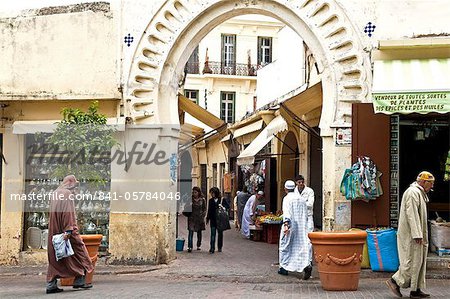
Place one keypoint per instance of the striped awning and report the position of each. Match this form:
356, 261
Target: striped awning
277, 125
407, 86
250, 128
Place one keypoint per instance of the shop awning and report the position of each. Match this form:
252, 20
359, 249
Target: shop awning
48, 126
411, 86
306, 101
199, 113
189, 132
226, 138
256, 126
277, 125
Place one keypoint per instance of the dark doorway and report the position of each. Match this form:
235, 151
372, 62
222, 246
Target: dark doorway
185, 180
315, 175
424, 145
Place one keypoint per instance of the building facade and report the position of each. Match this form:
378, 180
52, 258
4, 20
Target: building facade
132, 63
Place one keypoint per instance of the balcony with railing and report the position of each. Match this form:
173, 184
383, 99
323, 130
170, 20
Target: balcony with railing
219, 68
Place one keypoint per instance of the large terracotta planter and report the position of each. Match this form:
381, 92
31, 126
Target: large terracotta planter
338, 256
92, 243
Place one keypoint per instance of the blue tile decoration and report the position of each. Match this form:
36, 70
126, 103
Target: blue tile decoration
173, 168
128, 39
369, 29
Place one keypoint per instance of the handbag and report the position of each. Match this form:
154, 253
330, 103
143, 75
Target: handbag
62, 247
223, 220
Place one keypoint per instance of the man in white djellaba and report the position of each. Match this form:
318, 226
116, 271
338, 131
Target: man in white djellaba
306, 194
248, 213
294, 242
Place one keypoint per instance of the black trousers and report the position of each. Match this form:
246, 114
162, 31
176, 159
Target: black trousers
213, 239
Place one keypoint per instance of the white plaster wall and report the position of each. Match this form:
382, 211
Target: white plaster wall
60, 56
286, 73
399, 19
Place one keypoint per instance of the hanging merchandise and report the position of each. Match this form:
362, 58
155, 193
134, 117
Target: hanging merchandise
362, 181
447, 168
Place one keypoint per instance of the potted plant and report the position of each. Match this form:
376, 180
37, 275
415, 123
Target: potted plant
83, 143
338, 256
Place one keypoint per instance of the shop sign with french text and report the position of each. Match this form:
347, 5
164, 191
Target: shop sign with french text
405, 103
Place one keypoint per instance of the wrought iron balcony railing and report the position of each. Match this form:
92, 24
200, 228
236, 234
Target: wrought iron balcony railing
219, 68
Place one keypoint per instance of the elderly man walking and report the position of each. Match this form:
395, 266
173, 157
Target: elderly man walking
412, 238
63, 221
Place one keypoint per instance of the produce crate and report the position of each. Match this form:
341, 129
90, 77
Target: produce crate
256, 233
272, 233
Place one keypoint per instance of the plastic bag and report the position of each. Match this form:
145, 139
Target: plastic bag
383, 253
223, 220
62, 247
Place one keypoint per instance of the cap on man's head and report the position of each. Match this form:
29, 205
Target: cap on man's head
290, 185
260, 192
425, 176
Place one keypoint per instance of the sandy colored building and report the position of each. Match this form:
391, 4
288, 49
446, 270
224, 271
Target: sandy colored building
132, 63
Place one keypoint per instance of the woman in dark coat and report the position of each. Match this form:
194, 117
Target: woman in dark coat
196, 220
213, 205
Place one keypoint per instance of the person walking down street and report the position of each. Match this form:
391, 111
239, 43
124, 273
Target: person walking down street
196, 219
235, 211
211, 218
293, 248
249, 211
412, 238
241, 201
62, 220
307, 195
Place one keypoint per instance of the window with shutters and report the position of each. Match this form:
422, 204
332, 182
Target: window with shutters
228, 62
191, 94
227, 101
264, 50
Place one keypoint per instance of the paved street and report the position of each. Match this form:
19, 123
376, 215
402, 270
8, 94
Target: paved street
245, 269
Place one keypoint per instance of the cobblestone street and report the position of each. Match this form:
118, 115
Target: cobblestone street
245, 269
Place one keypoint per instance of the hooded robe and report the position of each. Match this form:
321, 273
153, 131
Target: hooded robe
412, 224
62, 218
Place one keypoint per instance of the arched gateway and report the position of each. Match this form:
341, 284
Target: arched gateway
179, 25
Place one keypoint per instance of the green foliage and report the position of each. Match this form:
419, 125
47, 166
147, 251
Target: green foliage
84, 142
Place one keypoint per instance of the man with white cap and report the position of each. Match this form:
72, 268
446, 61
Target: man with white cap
412, 238
249, 211
294, 242
306, 194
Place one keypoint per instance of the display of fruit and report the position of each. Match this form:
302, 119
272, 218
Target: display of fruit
270, 218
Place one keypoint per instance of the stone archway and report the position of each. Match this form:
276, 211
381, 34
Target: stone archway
179, 25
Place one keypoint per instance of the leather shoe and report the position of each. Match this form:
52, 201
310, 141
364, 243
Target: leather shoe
424, 295
393, 286
83, 286
283, 271
54, 291
418, 294
307, 272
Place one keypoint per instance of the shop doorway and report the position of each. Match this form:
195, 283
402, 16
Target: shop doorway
289, 160
315, 175
185, 178
424, 145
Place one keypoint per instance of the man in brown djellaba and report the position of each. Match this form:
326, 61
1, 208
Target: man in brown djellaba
63, 220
